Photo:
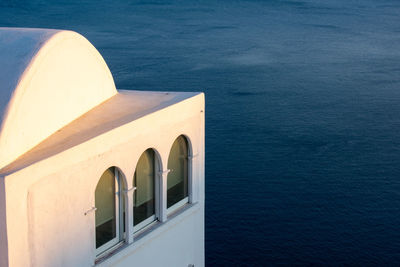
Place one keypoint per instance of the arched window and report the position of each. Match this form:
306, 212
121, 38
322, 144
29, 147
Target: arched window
109, 210
144, 206
177, 181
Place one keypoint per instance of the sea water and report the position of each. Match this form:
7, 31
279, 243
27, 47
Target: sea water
302, 114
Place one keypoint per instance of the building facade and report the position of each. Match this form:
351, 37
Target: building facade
91, 175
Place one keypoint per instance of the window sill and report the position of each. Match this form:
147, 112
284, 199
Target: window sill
177, 206
178, 210
146, 230
110, 252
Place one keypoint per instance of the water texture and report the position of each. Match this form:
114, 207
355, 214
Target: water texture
303, 114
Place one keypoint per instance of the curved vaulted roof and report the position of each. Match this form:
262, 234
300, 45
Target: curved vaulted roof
48, 78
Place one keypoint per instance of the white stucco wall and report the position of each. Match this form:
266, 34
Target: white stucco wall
63, 123
48, 78
46, 200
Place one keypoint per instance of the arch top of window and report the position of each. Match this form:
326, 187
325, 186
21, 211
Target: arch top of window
145, 202
178, 177
109, 215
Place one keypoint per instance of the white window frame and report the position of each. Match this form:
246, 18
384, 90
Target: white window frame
157, 196
189, 198
100, 251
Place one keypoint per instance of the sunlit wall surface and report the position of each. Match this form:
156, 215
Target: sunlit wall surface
94, 191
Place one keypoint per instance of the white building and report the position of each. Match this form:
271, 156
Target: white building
91, 175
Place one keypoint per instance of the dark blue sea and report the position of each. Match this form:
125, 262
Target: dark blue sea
302, 114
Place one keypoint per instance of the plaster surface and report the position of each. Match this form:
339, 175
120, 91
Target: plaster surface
63, 123
18, 47
120, 109
48, 79
46, 200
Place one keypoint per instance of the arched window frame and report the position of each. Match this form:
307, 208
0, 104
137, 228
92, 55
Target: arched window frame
120, 198
127, 196
139, 228
189, 199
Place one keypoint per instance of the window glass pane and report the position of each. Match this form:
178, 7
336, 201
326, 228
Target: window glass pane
177, 181
105, 204
144, 202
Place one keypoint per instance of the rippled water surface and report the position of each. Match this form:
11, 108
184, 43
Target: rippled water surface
303, 114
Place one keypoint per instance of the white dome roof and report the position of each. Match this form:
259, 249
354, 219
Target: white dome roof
48, 78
